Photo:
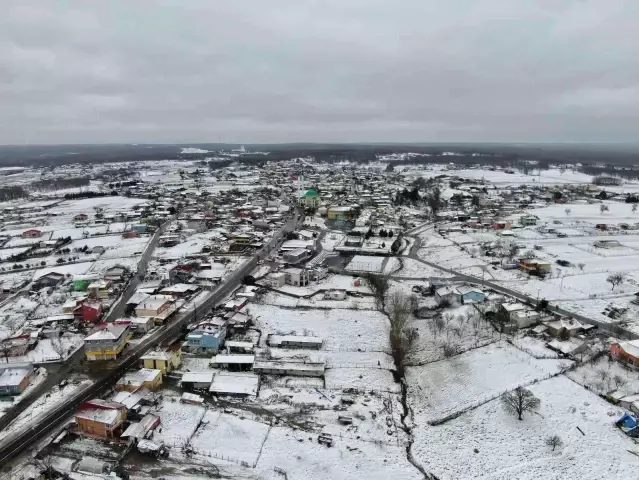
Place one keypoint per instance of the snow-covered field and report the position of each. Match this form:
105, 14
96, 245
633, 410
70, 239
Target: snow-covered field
347, 330
495, 445
449, 386
301, 457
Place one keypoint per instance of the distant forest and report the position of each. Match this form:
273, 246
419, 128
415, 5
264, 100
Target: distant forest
515, 156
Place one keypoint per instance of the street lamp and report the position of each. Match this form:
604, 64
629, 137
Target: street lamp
538, 290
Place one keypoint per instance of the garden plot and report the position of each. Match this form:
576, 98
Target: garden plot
318, 301
179, 421
70, 268
376, 415
449, 386
595, 309
617, 213
459, 330
229, 436
128, 247
533, 346
416, 269
67, 230
366, 264
548, 177
102, 265
47, 350
361, 379
300, 456
583, 286
332, 240
392, 266
604, 376
192, 245
448, 257
343, 282
429, 240
495, 445
340, 329
26, 242
70, 208
106, 241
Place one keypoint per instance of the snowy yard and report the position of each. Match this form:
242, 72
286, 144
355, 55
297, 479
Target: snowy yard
179, 421
229, 436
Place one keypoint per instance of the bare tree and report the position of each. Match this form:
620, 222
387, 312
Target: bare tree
615, 279
603, 208
581, 266
554, 441
567, 211
619, 381
5, 350
449, 349
519, 401
634, 207
438, 325
58, 347
402, 337
379, 284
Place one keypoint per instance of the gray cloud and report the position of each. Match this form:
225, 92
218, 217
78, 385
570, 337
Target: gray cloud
82, 71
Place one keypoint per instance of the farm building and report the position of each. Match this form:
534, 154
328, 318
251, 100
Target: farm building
293, 341
290, 367
235, 384
197, 380
234, 362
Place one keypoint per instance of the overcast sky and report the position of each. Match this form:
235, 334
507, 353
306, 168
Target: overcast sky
134, 71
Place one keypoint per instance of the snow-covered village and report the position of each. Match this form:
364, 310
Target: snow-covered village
305, 319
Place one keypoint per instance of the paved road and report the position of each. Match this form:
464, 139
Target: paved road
57, 372
117, 310
17, 442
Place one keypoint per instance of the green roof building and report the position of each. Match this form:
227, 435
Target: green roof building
310, 198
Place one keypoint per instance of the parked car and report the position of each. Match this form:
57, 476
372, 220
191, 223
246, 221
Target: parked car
564, 263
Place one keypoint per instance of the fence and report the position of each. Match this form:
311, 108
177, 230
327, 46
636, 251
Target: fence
491, 397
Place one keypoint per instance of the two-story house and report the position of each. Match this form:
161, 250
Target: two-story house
207, 337
296, 276
101, 419
106, 341
158, 307
165, 359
